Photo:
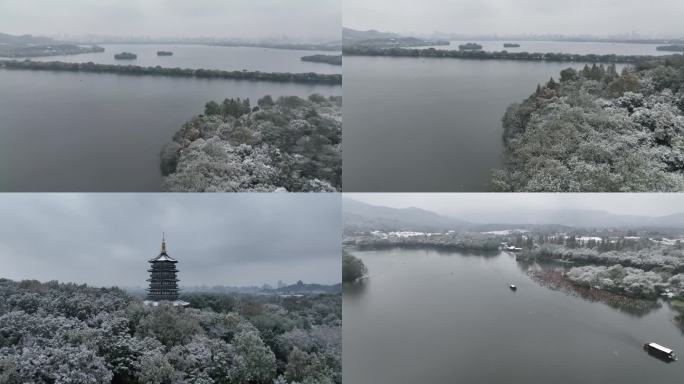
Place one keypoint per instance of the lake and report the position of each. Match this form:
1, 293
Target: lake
205, 57
581, 48
63, 131
430, 317
429, 124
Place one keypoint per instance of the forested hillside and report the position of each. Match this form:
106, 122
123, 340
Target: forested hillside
68, 333
288, 144
599, 130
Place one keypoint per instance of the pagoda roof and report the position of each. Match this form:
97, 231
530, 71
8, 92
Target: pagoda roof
163, 256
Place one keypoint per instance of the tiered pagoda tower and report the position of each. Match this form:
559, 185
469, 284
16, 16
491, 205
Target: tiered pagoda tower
163, 279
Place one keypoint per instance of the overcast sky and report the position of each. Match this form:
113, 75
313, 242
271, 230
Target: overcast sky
474, 206
225, 239
598, 17
300, 19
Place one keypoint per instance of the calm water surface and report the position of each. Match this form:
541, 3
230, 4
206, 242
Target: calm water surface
430, 125
64, 131
429, 317
205, 56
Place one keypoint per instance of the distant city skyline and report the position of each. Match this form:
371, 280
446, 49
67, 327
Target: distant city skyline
218, 239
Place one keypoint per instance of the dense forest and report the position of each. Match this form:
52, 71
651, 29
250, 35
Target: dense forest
281, 77
599, 130
289, 144
68, 333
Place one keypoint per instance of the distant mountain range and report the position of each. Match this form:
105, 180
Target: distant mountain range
359, 216
351, 35
373, 38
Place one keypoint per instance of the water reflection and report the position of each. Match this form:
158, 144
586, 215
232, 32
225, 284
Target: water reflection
356, 288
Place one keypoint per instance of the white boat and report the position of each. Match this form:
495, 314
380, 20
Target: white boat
510, 248
660, 351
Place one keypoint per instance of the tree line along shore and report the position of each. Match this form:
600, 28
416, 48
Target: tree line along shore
283, 77
357, 50
598, 130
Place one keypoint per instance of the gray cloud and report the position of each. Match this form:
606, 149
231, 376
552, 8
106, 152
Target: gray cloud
299, 19
599, 17
229, 239
487, 207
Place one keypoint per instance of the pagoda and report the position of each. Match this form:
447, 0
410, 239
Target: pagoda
163, 279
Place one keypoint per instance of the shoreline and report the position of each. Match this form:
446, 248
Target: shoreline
557, 281
500, 55
134, 70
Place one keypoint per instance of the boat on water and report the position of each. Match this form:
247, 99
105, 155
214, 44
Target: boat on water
660, 351
164, 53
511, 248
513, 287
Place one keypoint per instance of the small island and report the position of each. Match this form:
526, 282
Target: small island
326, 59
470, 47
511, 45
671, 48
164, 53
125, 56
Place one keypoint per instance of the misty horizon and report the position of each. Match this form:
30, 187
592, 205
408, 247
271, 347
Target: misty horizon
507, 17
306, 20
538, 208
527, 35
